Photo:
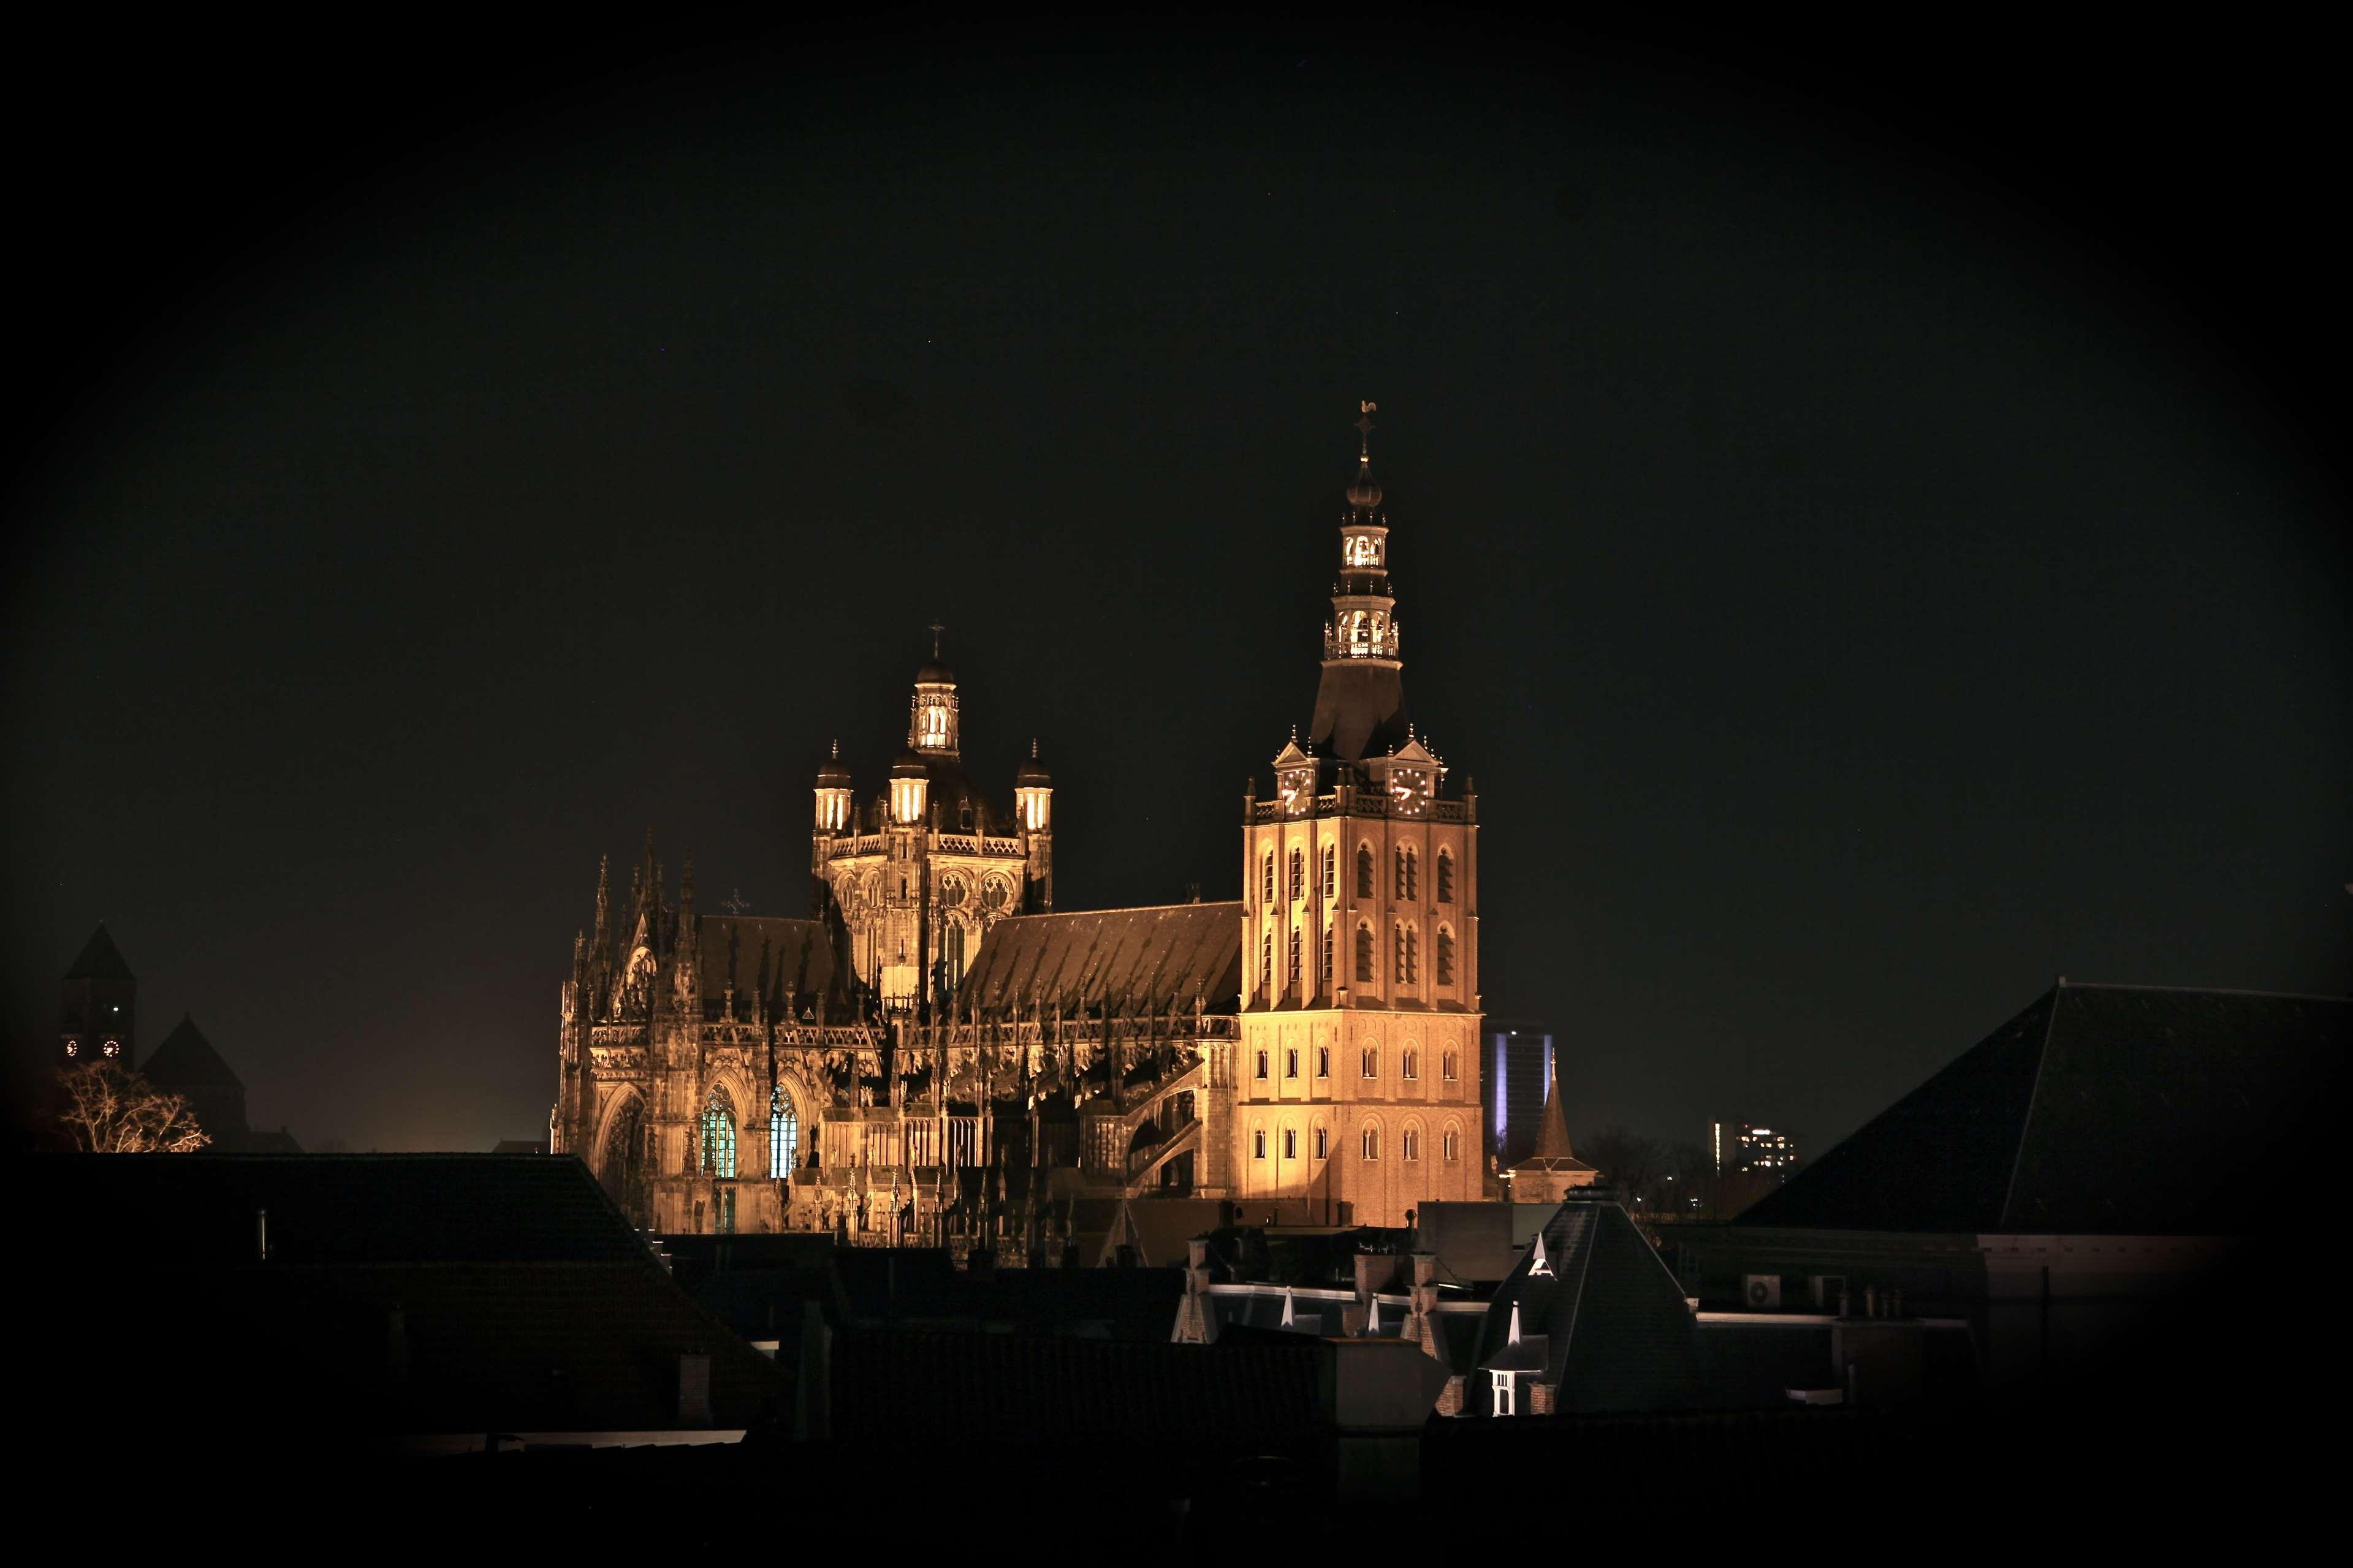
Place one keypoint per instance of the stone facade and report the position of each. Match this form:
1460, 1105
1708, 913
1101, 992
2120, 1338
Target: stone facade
935, 1054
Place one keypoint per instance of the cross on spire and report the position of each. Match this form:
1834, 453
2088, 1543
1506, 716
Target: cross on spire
734, 904
936, 630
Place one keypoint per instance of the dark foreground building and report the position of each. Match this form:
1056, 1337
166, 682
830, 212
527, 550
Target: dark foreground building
2091, 1173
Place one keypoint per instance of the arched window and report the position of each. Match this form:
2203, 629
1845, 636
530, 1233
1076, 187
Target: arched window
1262, 1066
1445, 875
1322, 1144
1409, 1063
1369, 1145
1372, 1062
1323, 1061
1409, 953
1363, 955
1266, 882
1363, 870
1257, 1144
1447, 1145
1410, 1143
1398, 932
956, 950
1291, 1062
1326, 972
1298, 875
784, 1135
1450, 1064
1266, 959
1400, 858
1294, 961
718, 1137
1445, 956
1331, 870
1291, 1144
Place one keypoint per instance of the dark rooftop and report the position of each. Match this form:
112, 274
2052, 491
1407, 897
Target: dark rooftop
2099, 1110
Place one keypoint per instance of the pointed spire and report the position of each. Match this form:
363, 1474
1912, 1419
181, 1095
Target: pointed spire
603, 899
1288, 1320
686, 886
1514, 1338
1373, 1318
1552, 1129
1364, 493
1539, 1266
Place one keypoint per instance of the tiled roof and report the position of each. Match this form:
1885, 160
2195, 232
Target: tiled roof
1123, 961
100, 960
1005, 1390
186, 1060
2099, 1110
764, 955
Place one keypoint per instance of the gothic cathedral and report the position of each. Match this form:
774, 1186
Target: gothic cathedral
937, 1056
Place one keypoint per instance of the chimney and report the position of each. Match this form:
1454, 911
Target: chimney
694, 1390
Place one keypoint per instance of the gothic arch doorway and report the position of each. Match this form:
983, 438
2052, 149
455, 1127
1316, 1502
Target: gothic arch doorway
625, 1167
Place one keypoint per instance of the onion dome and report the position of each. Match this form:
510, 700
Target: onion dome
935, 673
1033, 773
909, 766
831, 773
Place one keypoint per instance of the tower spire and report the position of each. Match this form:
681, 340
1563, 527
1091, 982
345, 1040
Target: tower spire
1360, 705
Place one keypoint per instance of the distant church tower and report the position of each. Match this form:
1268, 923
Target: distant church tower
100, 1012
1356, 1084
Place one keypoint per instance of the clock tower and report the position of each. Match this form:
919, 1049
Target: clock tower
99, 1018
1356, 1083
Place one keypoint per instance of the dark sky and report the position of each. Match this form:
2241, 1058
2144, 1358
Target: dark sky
1860, 522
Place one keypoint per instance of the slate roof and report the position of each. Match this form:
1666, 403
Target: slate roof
1619, 1335
100, 960
2099, 1110
1360, 709
765, 955
1136, 961
186, 1060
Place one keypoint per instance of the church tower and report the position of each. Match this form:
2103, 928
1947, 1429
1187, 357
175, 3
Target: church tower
99, 1017
1356, 1083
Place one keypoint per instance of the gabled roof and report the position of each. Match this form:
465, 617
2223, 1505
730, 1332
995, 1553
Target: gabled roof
2099, 1110
100, 960
186, 1060
1150, 959
1618, 1333
765, 956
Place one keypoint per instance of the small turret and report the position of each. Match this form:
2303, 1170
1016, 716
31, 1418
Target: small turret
911, 784
1033, 808
833, 793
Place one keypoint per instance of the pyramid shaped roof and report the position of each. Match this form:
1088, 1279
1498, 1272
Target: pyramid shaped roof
2099, 1110
186, 1060
100, 959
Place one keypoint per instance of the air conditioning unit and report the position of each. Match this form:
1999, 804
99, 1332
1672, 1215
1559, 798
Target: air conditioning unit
1762, 1291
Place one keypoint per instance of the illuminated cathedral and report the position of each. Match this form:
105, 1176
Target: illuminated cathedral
936, 1055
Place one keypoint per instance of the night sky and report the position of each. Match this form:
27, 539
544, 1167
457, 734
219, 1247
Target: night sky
1867, 532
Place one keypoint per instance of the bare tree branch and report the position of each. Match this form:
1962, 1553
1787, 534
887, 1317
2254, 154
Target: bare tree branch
106, 1110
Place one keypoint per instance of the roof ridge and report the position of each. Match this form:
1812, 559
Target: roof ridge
2066, 983
2025, 1122
1121, 910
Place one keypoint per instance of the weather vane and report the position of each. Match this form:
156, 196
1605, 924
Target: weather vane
1364, 412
